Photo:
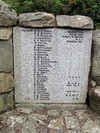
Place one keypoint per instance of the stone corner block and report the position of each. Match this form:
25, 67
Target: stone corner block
5, 33
38, 19
8, 16
6, 82
95, 72
76, 21
6, 101
6, 59
94, 99
92, 84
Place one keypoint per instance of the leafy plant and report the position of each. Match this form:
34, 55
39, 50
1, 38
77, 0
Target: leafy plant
21, 6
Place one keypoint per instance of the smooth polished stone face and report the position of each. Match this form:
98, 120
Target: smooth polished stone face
51, 65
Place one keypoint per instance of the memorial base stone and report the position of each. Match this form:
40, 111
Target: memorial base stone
52, 106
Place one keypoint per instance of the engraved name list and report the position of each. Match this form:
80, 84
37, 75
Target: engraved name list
51, 65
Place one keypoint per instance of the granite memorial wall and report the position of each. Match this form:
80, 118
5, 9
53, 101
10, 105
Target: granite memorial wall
51, 65
49, 59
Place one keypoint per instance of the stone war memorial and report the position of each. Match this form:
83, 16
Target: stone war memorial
52, 63
49, 73
47, 60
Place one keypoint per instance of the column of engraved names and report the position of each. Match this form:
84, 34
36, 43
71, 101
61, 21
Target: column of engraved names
42, 62
76, 39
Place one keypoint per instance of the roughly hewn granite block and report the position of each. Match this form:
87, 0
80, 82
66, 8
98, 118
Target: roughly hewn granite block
39, 19
6, 82
95, 72
5, 33
8, 17
94, 99
76, 21
6, 59
6, 101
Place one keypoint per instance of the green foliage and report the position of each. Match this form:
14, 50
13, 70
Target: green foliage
89, 8
51, 6
21, 6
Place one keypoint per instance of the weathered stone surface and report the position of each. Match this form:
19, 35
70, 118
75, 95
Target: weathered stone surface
15, 120
94, 99
8, 114
6, 82
6, 61
37, 118
8, 16
91, 126
25, 110
56, 131
1, 103
52, 106
54, 113
13, 131
6, 101
56, 123
77, 21
66, 113
39, 19
82, 115
70, 131
29, 126
5, 33
92, 84
25, 130
72, 123
96, 57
